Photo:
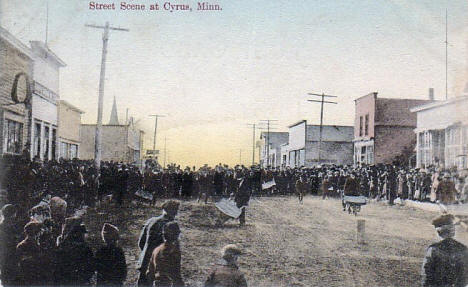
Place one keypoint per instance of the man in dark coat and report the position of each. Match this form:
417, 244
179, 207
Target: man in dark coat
110, 259
74, 259
151, 237
10, 236
242, 197
31, 271
446, 262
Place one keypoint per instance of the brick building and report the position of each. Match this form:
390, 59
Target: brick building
304, 141
383, 128
69, 130
15, 57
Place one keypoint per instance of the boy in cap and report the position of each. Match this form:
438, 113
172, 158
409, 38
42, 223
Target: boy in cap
226, 273
164, 266
151, 237
446, 262
74, 257
28, 253
110, 259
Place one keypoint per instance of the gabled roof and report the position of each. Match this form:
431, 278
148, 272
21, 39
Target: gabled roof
7, 36
42, 49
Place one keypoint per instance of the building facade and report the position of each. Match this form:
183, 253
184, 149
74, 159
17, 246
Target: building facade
120, 143
383, 128
69, 130
271, 148
304, 148
45, 97
442, 133
15, 58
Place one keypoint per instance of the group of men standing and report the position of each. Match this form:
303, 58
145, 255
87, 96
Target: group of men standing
159, 263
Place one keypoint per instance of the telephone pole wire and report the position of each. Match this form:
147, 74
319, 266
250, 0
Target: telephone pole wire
98, 137
155, 128
322, 101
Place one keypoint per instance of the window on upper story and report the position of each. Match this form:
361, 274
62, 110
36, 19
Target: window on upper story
366, 127
360, 126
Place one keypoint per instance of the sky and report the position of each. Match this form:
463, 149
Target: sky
214, 72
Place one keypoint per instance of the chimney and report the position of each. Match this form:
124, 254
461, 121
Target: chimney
431, 94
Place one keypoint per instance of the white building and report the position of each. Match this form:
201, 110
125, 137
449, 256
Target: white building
271, 148
304, 141
44, 101
442, 133
69, 130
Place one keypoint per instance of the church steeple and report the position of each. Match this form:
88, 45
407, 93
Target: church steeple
114, 119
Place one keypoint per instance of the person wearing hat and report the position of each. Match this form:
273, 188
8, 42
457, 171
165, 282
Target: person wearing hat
300, 188
151, 237
446, 262
226, 272
10, 235
242, 197
164, 267
28, 252
74, 257
111, 266
446, 190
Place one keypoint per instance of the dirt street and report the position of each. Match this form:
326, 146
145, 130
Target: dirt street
287, 244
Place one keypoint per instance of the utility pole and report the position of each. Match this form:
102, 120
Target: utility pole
98, 137
446, 54
322, 101
253, 143
268, 122
155, 128
165, 151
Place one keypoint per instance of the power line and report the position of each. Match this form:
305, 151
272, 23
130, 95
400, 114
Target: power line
155, 128
322, 101
98, 138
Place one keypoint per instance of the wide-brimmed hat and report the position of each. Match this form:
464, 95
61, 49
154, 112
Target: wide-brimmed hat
230, 250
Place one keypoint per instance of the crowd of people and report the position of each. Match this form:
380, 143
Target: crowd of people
47, 236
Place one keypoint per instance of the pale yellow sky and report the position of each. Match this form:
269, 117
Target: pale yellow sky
213, 72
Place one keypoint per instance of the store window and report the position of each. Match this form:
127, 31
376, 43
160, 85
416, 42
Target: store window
54, 142
46, 142
13, 138
73, 151
37, 140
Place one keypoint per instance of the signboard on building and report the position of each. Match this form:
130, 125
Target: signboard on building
297, 136
150, 152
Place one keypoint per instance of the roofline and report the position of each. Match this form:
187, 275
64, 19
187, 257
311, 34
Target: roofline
333, 126
71, 106
5, 34
436, 104
373, 93
298, 123
46, 49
